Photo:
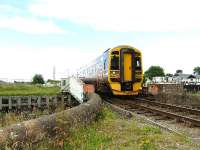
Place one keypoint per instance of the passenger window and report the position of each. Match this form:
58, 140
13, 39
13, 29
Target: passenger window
114, 62
138, 63
115, 53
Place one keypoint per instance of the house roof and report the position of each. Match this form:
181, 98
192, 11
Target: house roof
187, 76
198, 76
192, 76
184, 76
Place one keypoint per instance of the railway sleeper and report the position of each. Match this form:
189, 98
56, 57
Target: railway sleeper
172, 115
188, 124
140, 112
171, 106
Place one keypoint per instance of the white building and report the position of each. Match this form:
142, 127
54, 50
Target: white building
178, 78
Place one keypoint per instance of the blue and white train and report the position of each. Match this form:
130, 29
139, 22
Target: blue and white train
118, 70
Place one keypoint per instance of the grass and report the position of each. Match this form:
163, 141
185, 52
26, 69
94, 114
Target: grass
111, 132
7, 119
197, 94
25, 90
107, 132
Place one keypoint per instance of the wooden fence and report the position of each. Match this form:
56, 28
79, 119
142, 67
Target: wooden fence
192, 88
18, 102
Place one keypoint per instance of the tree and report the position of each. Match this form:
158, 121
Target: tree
38, 79
196, 70
154, 71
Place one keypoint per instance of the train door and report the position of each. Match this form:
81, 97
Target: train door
127, 67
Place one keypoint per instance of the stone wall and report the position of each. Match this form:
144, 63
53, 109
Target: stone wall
165, 88
37, 129
179, 99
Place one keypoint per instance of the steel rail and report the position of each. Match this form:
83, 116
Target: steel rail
193, 111
135, 104
108, 103
169, 114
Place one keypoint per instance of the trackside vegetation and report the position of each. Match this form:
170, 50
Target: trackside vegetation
196, 94
27, 89
111, 132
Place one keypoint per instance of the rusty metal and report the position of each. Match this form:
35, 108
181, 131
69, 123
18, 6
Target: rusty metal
195, 122
181, 108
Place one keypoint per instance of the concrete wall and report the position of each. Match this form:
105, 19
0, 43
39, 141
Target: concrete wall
18, 102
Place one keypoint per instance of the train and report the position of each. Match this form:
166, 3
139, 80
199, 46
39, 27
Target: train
118, 70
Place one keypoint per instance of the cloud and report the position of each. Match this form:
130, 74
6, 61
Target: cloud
30, 25
27, 61
8, 8
124, 15
173, 53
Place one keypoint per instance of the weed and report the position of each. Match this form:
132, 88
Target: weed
88, 138
150, 130
106, 114
147, 145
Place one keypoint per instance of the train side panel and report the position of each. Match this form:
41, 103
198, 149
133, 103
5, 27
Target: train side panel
97, 71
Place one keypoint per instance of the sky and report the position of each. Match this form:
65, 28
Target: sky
36, 35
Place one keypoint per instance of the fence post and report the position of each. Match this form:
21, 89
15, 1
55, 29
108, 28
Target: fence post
69, 97
54, 100
0, 103
9, 102
29, 102
47, 101
62, 102
19, 102
39, 101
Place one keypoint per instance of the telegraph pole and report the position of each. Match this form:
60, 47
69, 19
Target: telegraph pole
54, 73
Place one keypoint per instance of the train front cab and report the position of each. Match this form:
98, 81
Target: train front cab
125, 72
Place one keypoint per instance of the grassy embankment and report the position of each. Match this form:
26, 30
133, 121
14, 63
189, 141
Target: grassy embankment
111, 132
7, 119
24, 90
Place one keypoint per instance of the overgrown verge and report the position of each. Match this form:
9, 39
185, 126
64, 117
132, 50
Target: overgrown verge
196, 94
109, 131
17, 116
26, 134
27, 89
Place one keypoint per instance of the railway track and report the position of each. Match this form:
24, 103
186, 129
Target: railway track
179, 113
170, 106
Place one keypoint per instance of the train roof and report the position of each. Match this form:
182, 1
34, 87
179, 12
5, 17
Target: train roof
127, 46
109, 49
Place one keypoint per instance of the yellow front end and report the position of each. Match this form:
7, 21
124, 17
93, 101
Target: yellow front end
116, 89
125, 72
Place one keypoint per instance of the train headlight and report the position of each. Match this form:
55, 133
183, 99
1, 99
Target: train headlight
114, 74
